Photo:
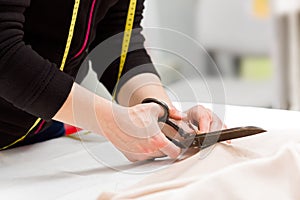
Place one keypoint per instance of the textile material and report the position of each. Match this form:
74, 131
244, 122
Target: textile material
265, 166
69, 169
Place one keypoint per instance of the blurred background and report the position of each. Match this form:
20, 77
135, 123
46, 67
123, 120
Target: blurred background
253, 43
247, 51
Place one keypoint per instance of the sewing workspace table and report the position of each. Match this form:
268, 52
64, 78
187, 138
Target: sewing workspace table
68, 168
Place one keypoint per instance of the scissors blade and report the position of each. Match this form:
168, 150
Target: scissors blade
207, 139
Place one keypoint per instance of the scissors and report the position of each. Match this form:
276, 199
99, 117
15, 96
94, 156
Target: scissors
201, 140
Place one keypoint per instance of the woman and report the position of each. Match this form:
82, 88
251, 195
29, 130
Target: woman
37, 72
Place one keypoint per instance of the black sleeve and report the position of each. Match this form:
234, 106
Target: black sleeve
108, 42
28, 81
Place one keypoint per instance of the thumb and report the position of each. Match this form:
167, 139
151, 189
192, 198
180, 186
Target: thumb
157, 110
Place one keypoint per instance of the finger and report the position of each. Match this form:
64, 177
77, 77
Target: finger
228, 141
200, 115
130, 157
176, 114
204, 122
166, 146
146, 151
157, 110
171, 150
168, 130
134, 157
216, 123
156, 154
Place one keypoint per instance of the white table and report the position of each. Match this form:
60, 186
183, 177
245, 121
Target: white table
69, 169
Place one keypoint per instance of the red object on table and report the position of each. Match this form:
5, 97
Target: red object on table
71, 129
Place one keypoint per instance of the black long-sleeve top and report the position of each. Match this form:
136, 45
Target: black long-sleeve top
33, 36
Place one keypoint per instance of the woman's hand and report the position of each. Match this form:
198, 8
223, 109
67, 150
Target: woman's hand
136, 133
203, 119
133, 130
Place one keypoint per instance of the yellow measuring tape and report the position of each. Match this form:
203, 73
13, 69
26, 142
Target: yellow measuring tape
126, 39
67, 48
70, 35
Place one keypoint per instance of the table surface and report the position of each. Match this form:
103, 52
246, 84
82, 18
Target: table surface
67, 168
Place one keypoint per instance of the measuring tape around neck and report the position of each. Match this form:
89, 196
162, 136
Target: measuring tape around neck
67, 48
126, 40
70, 35
124, 51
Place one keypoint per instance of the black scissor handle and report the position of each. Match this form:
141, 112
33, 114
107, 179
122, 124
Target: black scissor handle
166, 115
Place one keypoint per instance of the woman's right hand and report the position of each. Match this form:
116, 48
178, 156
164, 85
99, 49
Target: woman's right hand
136, 133
133, 130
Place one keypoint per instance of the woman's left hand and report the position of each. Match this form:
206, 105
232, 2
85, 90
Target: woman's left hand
202, 117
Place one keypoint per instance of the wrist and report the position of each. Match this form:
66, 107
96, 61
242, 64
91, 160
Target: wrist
104, 115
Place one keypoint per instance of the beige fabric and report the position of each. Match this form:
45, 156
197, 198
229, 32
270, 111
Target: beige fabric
265, 166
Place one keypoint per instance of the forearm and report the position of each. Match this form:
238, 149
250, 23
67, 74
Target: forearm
140, 87
82, 108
